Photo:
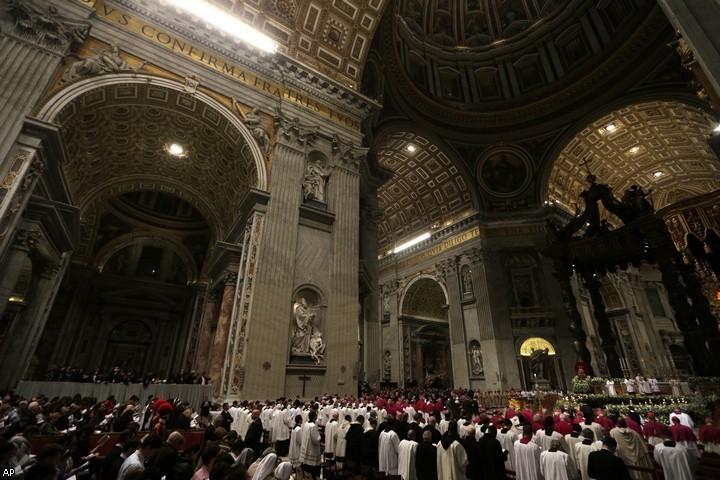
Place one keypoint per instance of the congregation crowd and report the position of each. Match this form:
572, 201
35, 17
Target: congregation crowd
398, 434
117, 375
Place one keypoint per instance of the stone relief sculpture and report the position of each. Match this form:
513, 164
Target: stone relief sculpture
306, 338
105, 61
258, 130
313, 186
387, 357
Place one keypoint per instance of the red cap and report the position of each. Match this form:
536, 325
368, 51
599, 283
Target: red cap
708, 420
651, 415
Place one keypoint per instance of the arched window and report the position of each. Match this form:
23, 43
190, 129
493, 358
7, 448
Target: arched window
536, 343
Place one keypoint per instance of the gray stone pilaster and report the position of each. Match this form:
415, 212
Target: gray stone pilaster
697, 21
456, 322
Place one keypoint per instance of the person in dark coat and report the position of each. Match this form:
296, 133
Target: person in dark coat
369, 450
604, 465
415, 426
471, 449
492, 456
253, 437
432, 428
353, 444
426, 458
118, 449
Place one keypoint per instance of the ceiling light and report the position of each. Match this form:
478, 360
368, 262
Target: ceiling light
717, 128
225, 21
658, 174
412, 242
611, 128
634, 149
411, 148
175, 149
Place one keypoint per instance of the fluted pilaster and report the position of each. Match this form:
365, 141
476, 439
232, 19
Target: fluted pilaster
458, 343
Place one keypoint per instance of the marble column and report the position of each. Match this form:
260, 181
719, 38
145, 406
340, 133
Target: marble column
219, 347
35, 317
342, 342
24, 242
606, 334
458, 342
495, 334
207, 329
372, 344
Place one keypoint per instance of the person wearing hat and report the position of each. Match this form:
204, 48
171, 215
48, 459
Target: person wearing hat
684, 436
710, 437
653, 430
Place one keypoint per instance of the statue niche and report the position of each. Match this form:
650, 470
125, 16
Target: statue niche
306, 341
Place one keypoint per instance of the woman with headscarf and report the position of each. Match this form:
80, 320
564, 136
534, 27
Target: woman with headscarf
283, 471
246, 457
266, 468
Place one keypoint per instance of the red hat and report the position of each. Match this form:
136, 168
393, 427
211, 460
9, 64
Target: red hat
165, 408
651, 415
158, 402
708, 420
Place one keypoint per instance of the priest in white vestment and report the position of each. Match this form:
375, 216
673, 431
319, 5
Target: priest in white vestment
452, 460
340, 441
388, 446
556, 464
406, 457
677, 462
507, 438
294, 453
527, 457
331, 430
582, 451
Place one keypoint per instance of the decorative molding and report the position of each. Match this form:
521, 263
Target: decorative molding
293, 131
42, 25
349, 154
26, 240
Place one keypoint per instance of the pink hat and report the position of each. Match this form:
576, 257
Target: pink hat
708, 420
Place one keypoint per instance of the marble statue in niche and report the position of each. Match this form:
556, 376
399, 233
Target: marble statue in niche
467, 284
476, 362
314, 181
387, 357
307, 340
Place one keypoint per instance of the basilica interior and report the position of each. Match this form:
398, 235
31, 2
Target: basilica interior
405, 193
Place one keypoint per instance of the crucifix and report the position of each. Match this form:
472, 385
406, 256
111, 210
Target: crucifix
304, 379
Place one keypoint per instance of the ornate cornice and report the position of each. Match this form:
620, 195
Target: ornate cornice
26, 240
349, 154
293, 131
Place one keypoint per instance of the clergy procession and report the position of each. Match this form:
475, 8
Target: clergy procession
443, 437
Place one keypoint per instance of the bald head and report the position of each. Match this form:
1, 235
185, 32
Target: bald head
427, 436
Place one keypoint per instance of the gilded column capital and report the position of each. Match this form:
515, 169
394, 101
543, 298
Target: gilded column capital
42, 25
26, 240
293, 131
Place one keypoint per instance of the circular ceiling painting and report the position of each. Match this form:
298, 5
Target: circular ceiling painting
503, 172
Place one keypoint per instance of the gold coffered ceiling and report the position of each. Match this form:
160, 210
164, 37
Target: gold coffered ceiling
427, 190
331, 35
117, 137
660, 145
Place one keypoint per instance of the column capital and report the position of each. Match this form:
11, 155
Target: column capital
229, 277
213, 296
293, 131
51, 270
477, 255
26, 240
43, 26
349, 154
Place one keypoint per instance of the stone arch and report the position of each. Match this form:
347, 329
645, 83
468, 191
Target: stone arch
420, 294
145, 93
621, 167
117, 244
